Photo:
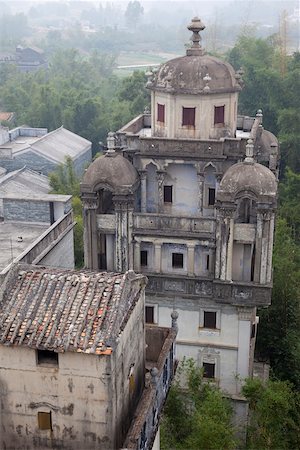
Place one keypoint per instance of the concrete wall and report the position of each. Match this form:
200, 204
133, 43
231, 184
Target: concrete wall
74, 392
83, 161
62, 254
183, 178
128, 372
204, 120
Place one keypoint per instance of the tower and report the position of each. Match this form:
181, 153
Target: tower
190, 194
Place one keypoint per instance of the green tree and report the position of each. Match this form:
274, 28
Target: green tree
64, 181
278, 332
133, 13
274, 415
196, 417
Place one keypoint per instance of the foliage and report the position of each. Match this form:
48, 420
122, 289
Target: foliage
197, 417
80, 93
270, 87
133, 13
278, 333
65, 181
274, 415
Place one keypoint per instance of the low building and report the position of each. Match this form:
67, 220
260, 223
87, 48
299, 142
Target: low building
41, 151
77, 341
30, 59
35, 227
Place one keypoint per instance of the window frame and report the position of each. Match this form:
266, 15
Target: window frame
154, 314
209, 365
161, 117
47, 358
219, 114
144, 258
211, 190
207, 314
188, 116
42, 420
168, 193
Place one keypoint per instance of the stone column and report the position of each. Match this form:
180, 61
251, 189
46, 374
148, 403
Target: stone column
264, 247
157, 257
218, 245
190, 259
137, 256
110, 252
90, 205
118, 236
200, 179
258, 246
245, 317
160, 186
143, 175
230, 249
130, 209
270, 249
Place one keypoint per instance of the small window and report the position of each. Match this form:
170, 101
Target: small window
210, 320
253, 331
188, 116
144, 258
44, 420
168, 194
207, 262
219, 115
47, 357
211, 196
149, 313
209, 370
160, 113
177, 260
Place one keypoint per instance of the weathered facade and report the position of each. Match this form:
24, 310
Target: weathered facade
194, 210
73, 358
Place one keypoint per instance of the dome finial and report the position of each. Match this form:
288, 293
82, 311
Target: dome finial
111, 143
195, 26
249, 152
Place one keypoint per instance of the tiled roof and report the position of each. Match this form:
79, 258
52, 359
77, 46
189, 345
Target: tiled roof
66, 310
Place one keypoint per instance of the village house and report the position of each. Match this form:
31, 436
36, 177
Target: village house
41, 151
74, 351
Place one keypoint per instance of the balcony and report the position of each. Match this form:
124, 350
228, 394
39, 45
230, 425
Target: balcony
165, 225
160, 367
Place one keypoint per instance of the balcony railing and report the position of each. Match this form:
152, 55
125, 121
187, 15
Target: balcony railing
162, 223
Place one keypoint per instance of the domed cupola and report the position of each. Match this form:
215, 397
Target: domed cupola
195, 96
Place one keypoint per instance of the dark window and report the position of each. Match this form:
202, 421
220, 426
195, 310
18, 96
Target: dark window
253, 330
219, 115
177, 260
144, 258
47, 357
209, 370
149, 312
161, 113
210, 319
211, 196
51, 204
207, 262
188, 116
44, 420
168, 194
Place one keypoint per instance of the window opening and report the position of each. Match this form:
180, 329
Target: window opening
47, 357
210, 319
207, 262
149, 313
44, 420
168, 194
188, 116
144, 257
209, 370
161, 113
177, 260
219, 115
211, 196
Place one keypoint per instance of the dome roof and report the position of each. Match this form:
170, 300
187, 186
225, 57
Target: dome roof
112, 171
196, 72
267, 142
195, 75
248, 176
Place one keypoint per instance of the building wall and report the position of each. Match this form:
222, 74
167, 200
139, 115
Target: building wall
31, 160
26, 211
83, 161
204, 120
128, 371
62, 254
227, 346
75, 393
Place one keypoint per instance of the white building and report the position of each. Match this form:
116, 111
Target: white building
181, 195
